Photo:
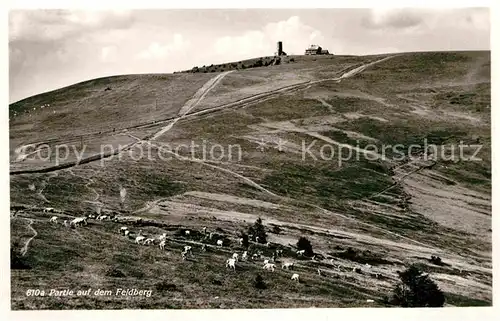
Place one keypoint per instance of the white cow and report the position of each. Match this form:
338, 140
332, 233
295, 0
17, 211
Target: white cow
123, 229
235, 256
53, 219
126, 233
162, 244
269, 267
301, 252
102, 217
139, 239
78, 221
149, 241
287, 266
66, 223
187, 249
231, 263
48, 210
220, 242
295, 277
187, 232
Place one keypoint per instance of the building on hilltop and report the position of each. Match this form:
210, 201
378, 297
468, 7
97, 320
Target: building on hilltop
316, 50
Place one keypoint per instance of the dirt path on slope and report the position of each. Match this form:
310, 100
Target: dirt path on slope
24, 249
90, 181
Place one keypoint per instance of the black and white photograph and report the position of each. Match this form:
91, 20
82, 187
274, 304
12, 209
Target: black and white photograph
249, 158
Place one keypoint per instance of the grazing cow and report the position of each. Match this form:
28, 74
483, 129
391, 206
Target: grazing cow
295, 277
301, 252
53, 219
78, 221
162, 244
102, 217
123, 229
220, 242
139, 239
269, 267
149, 241
231, 263
287, 266
48, 210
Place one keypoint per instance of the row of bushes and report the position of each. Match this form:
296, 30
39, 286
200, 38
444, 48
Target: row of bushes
261, 62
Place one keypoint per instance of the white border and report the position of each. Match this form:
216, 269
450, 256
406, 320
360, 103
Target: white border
287, 314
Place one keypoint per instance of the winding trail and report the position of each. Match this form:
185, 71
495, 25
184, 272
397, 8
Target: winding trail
327, 105
246, 179
45, 183
24, 250
90, 181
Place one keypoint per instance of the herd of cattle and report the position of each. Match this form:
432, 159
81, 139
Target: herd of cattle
269, 264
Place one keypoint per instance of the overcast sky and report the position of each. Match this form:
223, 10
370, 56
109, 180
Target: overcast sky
53, 49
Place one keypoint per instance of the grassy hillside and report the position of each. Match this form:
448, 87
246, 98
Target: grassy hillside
391, 207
